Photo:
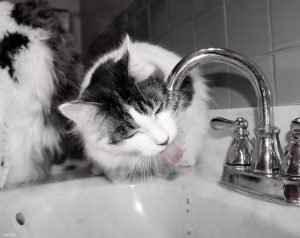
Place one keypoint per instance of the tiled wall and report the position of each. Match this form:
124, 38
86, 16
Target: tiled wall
267, 31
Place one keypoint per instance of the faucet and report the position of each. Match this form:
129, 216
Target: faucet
260, 177
267, 149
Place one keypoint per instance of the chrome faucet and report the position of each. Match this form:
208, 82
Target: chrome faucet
262, 175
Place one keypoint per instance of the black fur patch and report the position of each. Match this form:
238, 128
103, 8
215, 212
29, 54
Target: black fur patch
186, 91
32, 13
9, 47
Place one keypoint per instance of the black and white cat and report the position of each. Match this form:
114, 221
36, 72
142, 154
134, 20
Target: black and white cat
39, 70
123, 116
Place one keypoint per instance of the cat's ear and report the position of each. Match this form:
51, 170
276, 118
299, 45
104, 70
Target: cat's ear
137, 67
79, 112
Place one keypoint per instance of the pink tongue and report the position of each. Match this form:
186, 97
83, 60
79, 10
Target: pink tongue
173, 153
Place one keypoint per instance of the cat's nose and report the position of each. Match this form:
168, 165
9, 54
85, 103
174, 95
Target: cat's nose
165, 142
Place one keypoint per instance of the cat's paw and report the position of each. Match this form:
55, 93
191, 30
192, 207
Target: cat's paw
118, 175
97, 170
165, 170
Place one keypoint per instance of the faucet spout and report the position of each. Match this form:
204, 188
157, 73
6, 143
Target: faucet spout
215, 55
267, 151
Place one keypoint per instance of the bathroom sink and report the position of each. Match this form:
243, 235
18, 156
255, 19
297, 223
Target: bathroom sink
192, 204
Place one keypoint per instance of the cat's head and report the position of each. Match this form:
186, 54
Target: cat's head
123, 109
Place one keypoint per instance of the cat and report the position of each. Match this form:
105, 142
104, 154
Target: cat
122, 114
39, 70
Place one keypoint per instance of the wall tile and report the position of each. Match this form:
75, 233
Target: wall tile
165, 42
131, 28
142, 29
181, 11
219, 86
203, 6
210, 30
242, 92
159, 18
182, 40
175, 24
285, 17
287, 77
248, 26
134, 7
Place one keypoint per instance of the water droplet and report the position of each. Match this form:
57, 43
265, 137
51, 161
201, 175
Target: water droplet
187, 210
189, 232
188, 200
20, 218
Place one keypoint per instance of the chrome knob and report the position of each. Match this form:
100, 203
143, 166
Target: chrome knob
290, 166
240, 150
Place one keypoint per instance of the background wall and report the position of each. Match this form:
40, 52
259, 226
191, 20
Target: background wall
267, 31
96, 15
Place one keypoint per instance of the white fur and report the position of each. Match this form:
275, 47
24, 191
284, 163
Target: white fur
21, 105
153, 131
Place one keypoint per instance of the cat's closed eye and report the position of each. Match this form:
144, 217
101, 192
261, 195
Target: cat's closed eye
132, 134
159, 109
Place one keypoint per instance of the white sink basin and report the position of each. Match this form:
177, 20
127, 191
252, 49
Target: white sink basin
190, 205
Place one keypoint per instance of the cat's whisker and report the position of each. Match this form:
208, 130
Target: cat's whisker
149, 169
138, 168
156, 166
142, 170
132, 170
132, 167
146, 167
146, 170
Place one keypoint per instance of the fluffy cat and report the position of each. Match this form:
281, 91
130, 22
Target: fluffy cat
123, 116
39, 70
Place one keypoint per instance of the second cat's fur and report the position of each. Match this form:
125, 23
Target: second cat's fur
39, 69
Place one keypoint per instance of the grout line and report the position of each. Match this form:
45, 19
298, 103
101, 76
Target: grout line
275, 96
194, 36
168, 15
225, 24
149, 22
194, 27
194, 18
288, 47
227, 46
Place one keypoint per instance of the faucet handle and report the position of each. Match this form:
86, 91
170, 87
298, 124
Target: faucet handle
295, 126
240, 124
220, 123
290, 166
240, 150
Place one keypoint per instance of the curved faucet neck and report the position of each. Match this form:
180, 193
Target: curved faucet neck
215, 55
